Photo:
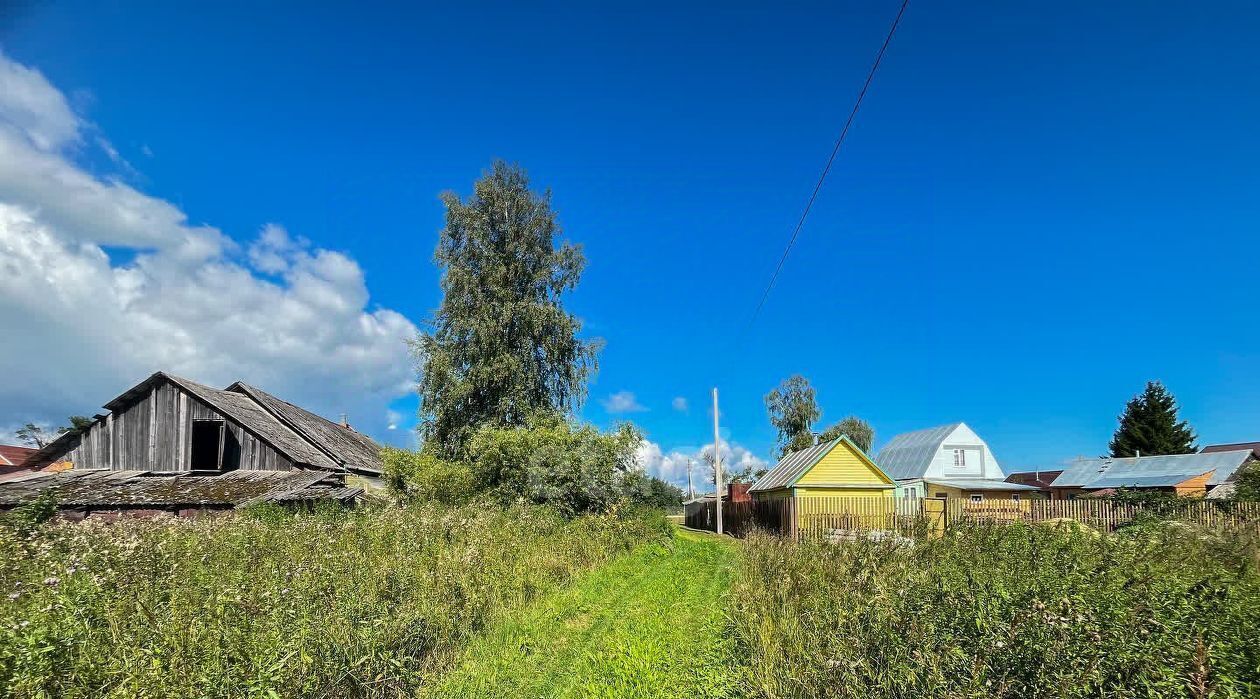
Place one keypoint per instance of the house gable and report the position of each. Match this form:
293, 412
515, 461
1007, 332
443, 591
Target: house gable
953, 450
843, 465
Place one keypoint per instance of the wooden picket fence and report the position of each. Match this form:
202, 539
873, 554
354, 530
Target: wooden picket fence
1105, 515
838, 517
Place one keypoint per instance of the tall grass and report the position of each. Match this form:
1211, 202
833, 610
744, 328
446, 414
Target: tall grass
1003, 611
367, 604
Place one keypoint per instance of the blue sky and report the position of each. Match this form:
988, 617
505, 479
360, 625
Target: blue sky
1038, 209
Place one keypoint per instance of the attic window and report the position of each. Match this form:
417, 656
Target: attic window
960, 458
207, 445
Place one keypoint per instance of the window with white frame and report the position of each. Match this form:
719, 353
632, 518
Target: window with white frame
977, 497
960, 458
1015, 497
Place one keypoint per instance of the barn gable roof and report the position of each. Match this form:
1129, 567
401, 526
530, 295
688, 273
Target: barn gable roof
303, 441
346, 446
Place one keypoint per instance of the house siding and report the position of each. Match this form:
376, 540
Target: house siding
841, 466
844, 492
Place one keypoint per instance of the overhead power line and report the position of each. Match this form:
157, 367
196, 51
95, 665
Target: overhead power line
835, 150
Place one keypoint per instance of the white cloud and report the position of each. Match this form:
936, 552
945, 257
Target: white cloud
671, 466
32, 108
78, 328
622, 402
680, 404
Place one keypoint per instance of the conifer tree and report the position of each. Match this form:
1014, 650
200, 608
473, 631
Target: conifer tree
1149, 426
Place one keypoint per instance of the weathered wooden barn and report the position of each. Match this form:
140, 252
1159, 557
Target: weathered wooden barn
167, 425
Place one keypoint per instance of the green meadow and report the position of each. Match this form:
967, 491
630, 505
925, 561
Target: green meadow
485, 601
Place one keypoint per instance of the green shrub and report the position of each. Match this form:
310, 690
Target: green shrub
24, 518
425, 476
574, 468
346, 604
1162, 610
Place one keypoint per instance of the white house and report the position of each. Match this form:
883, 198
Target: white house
947, 461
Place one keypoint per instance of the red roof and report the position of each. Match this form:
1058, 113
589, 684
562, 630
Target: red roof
1037, 479
1238, 446
14, 456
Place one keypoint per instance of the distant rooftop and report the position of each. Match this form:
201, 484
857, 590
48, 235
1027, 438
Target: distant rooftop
1089, 473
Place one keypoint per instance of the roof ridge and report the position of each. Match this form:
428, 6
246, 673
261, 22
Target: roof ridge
248, 391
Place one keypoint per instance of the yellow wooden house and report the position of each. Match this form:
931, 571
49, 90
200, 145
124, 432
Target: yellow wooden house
828, 481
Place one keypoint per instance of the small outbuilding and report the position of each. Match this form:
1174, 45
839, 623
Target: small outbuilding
832, 485
1180, 474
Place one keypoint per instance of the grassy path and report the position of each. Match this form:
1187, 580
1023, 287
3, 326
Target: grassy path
647, 625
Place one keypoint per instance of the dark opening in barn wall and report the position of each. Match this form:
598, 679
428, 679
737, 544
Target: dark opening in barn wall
231, 452
207, 445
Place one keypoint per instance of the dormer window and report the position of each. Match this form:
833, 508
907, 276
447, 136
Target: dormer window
960, 458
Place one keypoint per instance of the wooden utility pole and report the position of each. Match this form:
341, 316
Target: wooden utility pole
717, 461
691, 492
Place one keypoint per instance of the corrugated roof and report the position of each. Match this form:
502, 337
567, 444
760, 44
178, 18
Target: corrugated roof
1085, 473
981, 484
152, 489
909, 454
13, 455
791, 466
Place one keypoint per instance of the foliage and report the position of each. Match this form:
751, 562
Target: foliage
1247, 482
1016, 610
653, 492
32, 435
552, 461
77, 422
424, 476
858, 431
502, 347
749, 474
365, 603
25, 518
793, 410
1149, 426
647, 626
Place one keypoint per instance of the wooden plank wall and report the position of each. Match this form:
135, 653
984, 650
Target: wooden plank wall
155, 434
